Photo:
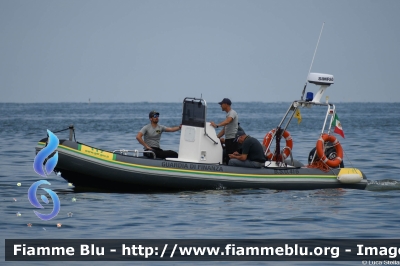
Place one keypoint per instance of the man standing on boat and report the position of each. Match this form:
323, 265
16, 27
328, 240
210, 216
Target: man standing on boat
230, 129
252, 155
149, 136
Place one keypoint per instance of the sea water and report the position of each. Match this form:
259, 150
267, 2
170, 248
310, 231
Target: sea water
371, 144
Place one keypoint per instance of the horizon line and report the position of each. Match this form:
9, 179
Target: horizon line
100, 102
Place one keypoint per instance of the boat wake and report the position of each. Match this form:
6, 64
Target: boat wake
383, 185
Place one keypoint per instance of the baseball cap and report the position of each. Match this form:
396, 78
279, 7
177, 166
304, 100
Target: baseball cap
225, 100
152, 113
239, 134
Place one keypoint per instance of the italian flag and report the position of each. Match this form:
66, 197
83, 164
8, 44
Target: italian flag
338, 126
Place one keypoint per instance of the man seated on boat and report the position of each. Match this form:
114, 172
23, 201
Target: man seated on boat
149, 136
252, 155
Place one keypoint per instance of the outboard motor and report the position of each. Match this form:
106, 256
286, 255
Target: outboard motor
330, 153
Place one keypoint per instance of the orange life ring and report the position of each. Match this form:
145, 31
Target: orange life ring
321, 151
286, 151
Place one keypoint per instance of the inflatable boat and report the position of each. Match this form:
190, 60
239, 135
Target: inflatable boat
200, 165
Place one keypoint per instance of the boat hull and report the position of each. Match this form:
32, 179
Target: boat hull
86, 166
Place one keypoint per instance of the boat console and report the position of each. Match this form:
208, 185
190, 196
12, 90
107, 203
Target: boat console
198, 142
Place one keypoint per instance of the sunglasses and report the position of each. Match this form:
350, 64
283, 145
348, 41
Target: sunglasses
155, 116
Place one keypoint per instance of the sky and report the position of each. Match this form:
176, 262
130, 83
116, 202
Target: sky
166, 50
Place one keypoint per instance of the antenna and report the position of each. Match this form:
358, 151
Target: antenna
312, 61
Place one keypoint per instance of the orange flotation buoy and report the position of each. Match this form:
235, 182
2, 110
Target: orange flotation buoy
321, 150
286, 151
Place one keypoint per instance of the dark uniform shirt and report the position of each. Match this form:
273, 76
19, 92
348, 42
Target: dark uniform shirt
252, 147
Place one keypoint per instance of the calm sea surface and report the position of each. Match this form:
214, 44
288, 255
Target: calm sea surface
372, 144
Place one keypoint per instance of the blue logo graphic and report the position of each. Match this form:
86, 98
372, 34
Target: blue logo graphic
32, 198
44, 165
41, 157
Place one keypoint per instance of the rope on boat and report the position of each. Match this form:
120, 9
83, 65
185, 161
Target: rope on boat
347, 158
61, 130
319, 165
65, 129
